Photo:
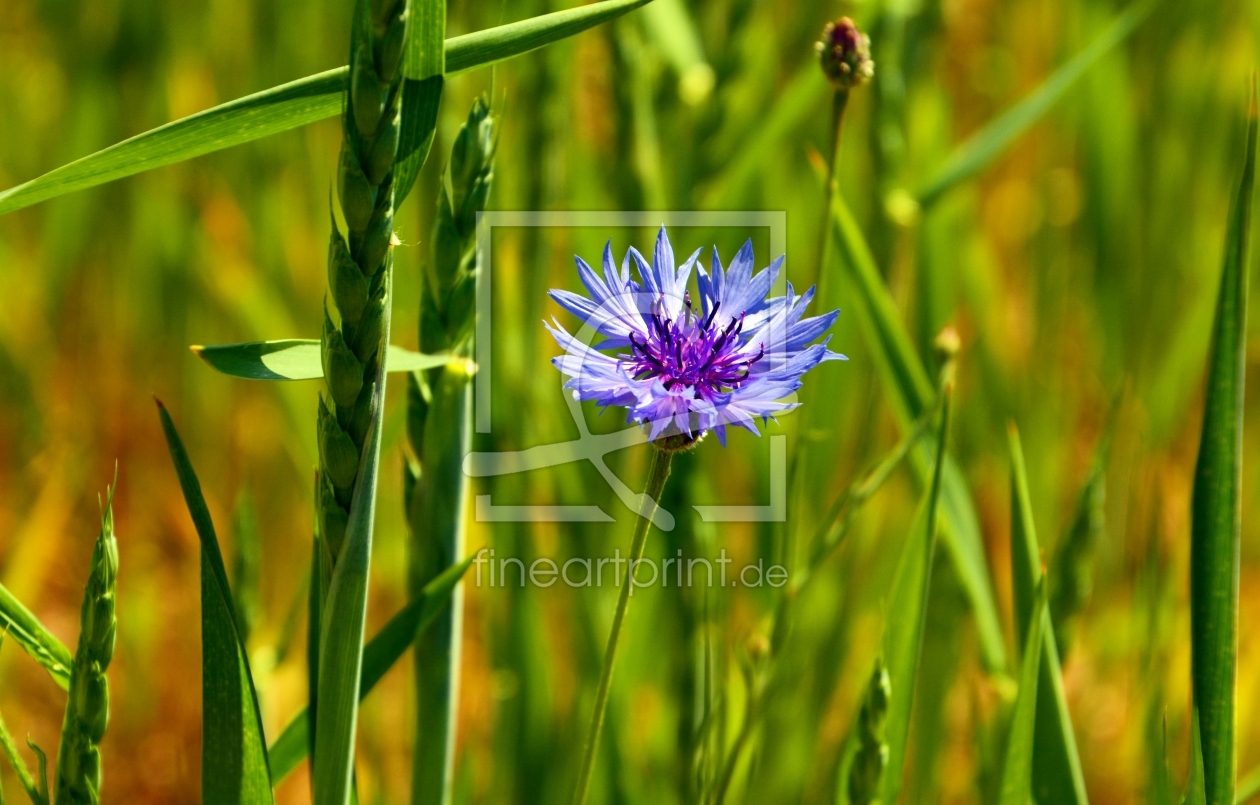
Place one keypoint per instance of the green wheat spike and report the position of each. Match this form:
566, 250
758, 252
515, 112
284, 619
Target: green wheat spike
438, 431
87, 710
871, 757
359, 261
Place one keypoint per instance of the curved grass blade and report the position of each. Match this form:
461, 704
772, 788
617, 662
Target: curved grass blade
37, 792
380, 654
295, 104
982, 147
296, 359
1216, 501
1056, 772
910, 393
19, 623
1017, 770
233, 755
902, 643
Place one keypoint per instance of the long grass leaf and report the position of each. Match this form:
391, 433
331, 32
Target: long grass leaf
1216, 505
292, 105
17, 622
296, 359
905, 618
982, 147
380, 654
1017, 770
910, 393
1056, 771
233, 754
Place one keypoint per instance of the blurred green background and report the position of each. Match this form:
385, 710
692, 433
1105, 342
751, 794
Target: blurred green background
1081, 270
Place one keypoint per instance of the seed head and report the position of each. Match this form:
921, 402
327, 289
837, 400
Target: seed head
845, 54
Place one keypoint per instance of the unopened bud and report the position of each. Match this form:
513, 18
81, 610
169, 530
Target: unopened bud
365, 94
845, 54
390, 49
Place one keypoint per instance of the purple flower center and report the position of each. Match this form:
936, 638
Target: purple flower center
690, 351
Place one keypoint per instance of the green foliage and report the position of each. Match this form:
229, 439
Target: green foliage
1216, 504
1056, 769
1017, 771
36, 788
981, 148
17, 622
233, 754
379, 655
305, 101
87, 709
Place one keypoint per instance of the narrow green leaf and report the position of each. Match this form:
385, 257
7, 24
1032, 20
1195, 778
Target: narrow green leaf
1017, 770
233, 755
297, 359
910, 393
17, 622
292, 105
1216, 502
982, 147
1196, 793
902, 643
421, 100
380, 654
1056, 772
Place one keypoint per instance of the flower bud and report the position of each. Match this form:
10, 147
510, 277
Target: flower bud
357, 197
365, 94
336, 449
349, 288
95, 704
845, 54
342, 371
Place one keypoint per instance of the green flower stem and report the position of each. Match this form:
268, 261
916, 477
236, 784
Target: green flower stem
657, 474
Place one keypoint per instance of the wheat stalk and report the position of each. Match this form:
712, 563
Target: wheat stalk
87, 710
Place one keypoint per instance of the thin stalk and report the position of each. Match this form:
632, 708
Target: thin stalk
657, 474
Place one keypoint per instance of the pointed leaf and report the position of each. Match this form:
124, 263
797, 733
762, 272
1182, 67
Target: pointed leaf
390, 643
233, 755
17, 622
902, 643
985, 145
296, 359
292, 105
1018, 767
1216, 502
1056, 771
910, 393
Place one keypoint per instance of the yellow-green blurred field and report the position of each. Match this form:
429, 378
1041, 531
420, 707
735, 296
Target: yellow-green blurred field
1080, 268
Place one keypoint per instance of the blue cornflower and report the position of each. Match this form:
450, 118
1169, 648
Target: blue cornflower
682, 371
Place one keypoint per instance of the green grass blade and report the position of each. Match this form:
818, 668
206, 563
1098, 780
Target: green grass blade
1216, 505
233, 755
1248, 788
296, 359
1017, 770
295, 104
904, 621
910, 393
345, 612
17, 622
1056, 772
380, 654
982, 147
